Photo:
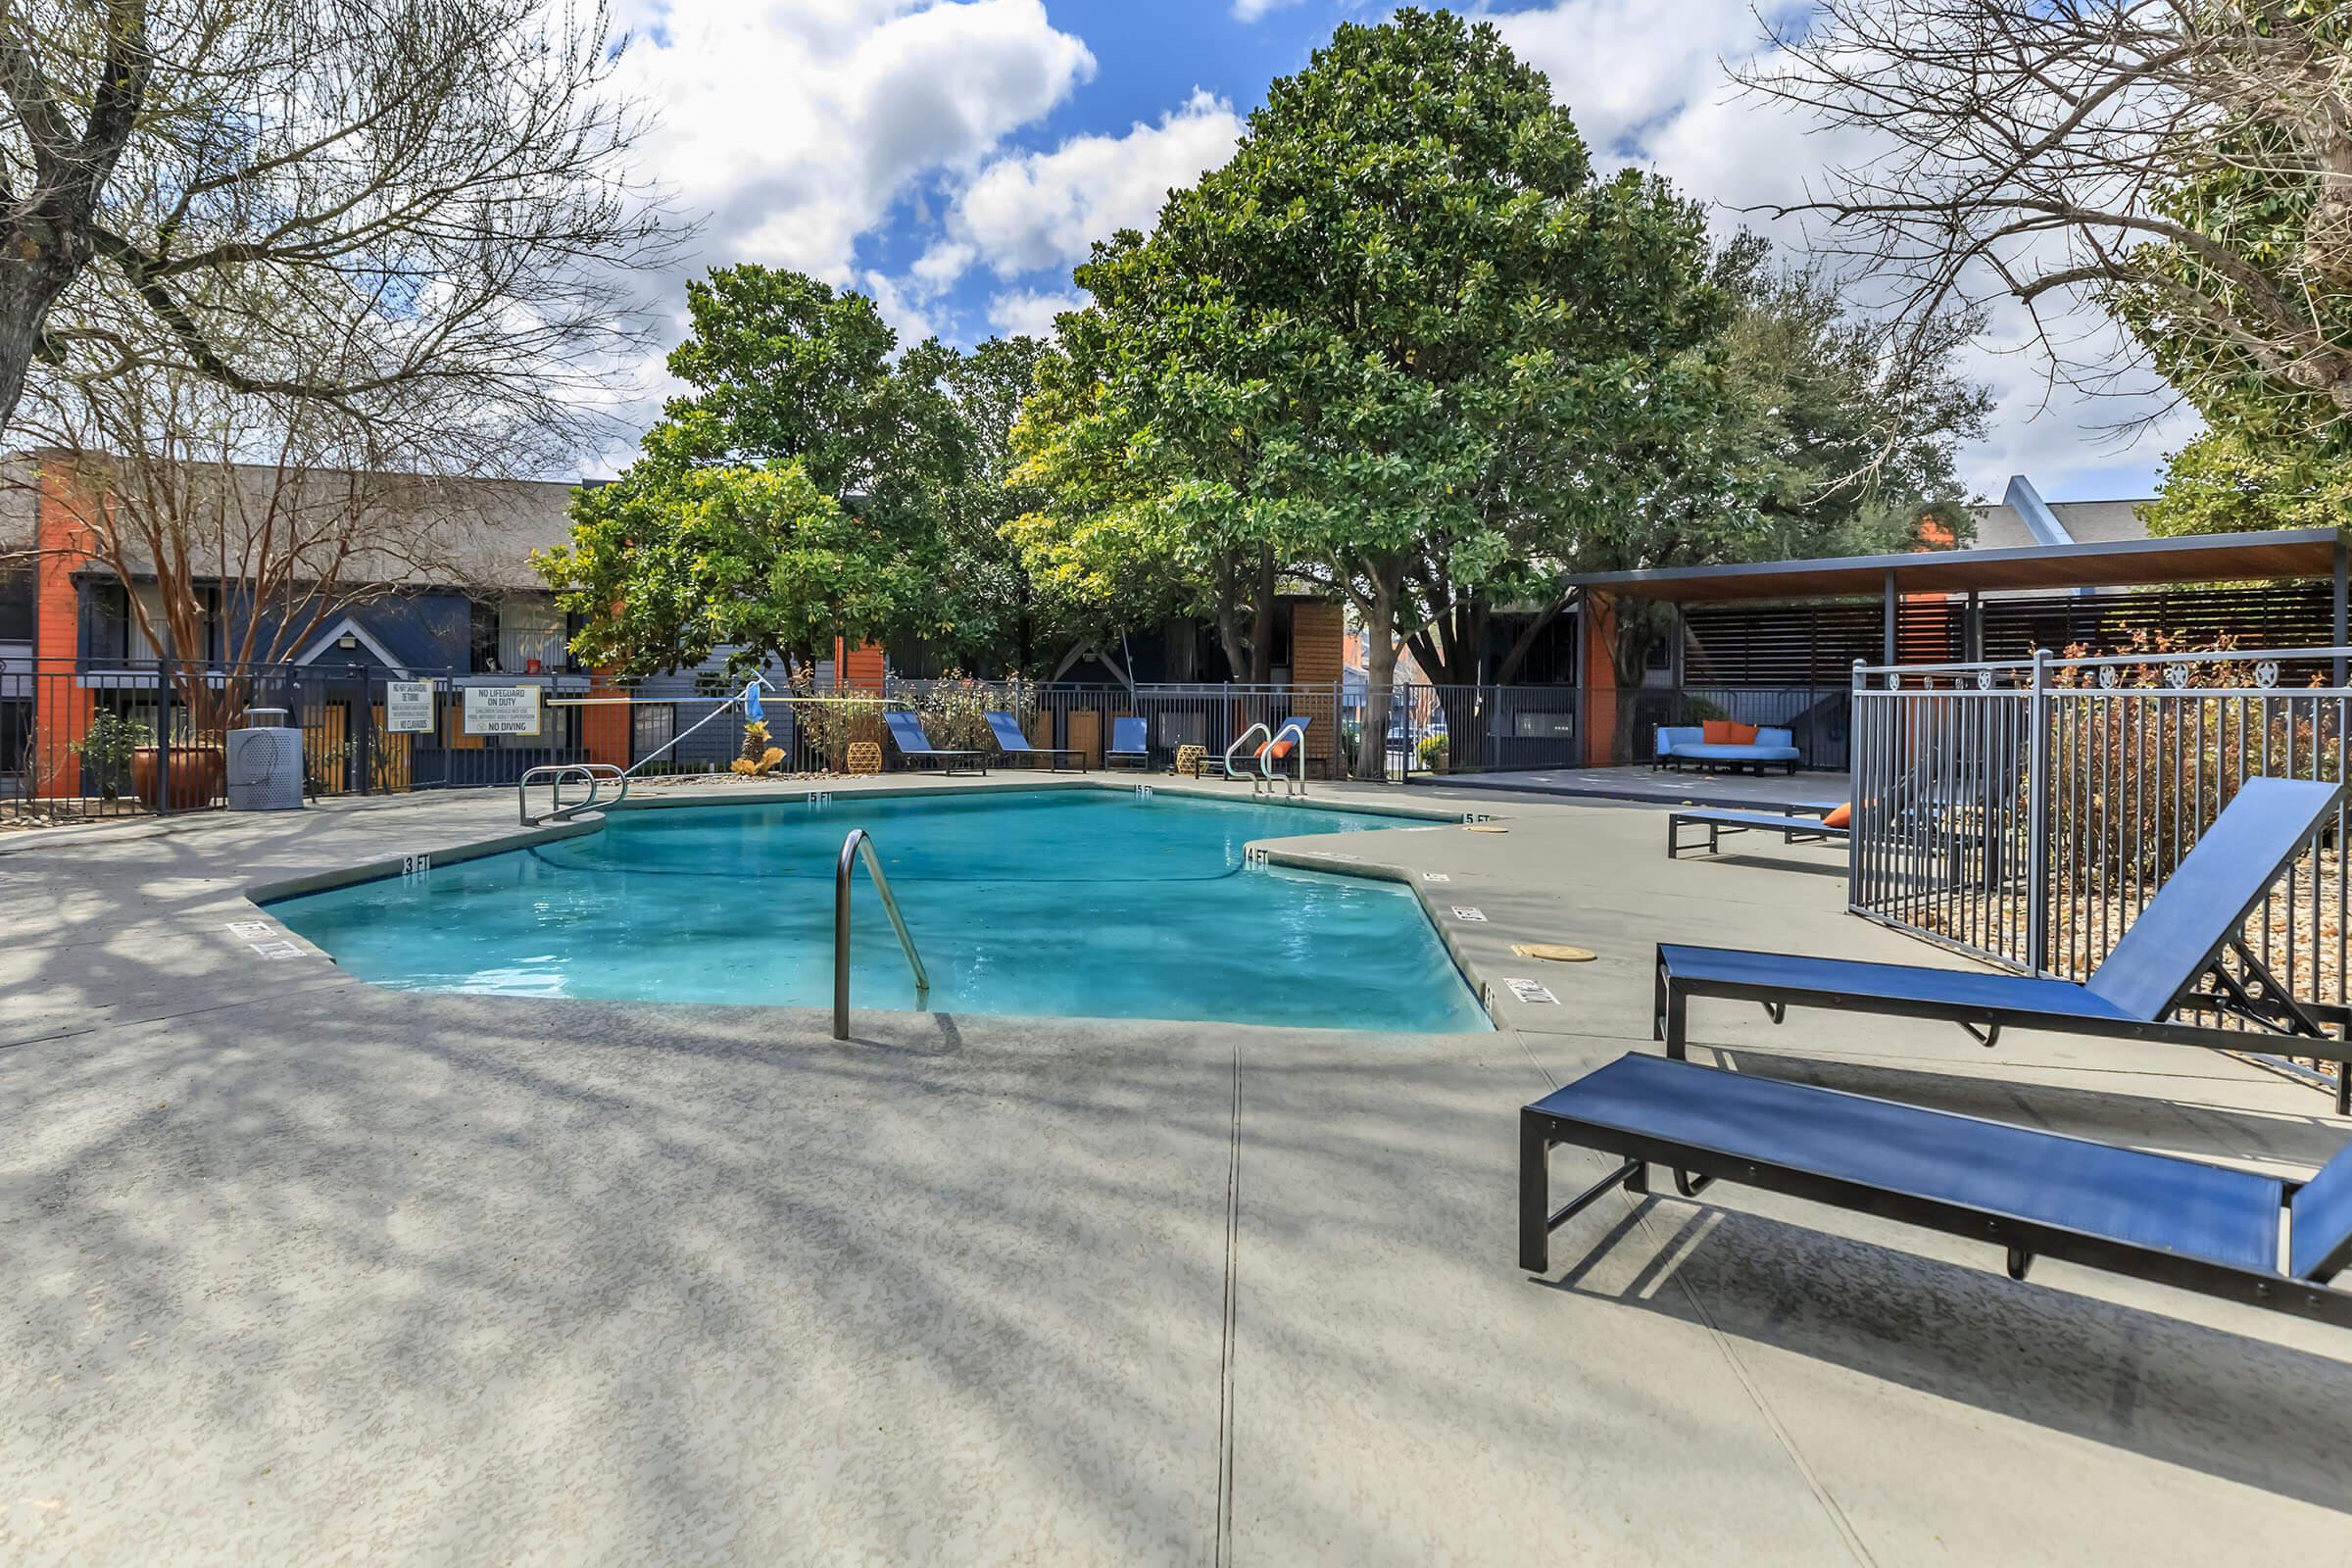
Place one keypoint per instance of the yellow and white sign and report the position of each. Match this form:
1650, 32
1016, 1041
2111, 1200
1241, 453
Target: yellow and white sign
408, 706
502, 710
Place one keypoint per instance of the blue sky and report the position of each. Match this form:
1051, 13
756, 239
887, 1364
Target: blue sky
953, 158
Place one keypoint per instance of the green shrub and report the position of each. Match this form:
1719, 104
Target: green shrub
1697, 711
107, 746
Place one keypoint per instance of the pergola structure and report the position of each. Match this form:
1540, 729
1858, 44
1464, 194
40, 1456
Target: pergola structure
2283, 554
2294, 554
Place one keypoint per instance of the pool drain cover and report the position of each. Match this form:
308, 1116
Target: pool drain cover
1556, 951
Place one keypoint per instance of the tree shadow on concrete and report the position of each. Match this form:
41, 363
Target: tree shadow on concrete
2249, 1409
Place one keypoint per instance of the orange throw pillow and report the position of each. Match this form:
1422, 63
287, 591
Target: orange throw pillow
1716, 732
1743, 734
1281, 747
1843, 816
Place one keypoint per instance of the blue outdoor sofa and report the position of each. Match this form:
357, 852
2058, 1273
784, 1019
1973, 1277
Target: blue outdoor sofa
2183, 953
1677, 743
2179, 1222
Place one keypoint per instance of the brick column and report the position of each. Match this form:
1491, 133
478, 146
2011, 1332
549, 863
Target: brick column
62, 705
1600, 680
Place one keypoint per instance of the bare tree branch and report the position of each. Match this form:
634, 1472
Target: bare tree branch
2029, 149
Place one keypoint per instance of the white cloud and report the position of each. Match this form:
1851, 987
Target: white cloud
1031, 211
792, 127
1251, 10
1029, 310
909, 319
943, 264
1660, 97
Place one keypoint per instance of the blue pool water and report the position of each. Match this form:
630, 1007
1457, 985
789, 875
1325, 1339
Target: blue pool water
1074, 902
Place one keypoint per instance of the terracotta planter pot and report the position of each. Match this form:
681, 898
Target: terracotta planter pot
195, 776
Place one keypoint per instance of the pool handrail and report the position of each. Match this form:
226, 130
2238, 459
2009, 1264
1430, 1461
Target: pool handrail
858, 844
1242, 739
1269, 761
593, 775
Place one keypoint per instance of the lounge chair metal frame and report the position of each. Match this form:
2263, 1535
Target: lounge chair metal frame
2252, 994
1696, 1165
1029, 748
2280, 1019
1793, 825
948, 763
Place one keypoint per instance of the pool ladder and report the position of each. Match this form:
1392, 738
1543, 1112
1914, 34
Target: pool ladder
852, 848
557, 774
1263, 774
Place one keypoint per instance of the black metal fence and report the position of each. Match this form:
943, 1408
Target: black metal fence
2026, 812
82, 739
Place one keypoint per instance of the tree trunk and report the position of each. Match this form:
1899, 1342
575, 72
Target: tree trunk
1639, 624
1261, 623
36, 262
1229, 615
1380, 679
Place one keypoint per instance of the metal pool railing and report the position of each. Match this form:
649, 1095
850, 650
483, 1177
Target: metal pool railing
858, 844
2026, 812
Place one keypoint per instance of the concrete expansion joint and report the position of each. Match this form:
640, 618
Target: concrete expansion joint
1225, 1380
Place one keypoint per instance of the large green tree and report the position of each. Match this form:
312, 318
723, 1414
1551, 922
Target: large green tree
1370, 349
2276, 454
756, 560
798, 391
1144, 447
1101, 548
1825, 432
988, 612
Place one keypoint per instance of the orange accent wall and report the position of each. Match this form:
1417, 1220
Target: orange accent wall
1600, 681
604, 730
62, 705
859, 669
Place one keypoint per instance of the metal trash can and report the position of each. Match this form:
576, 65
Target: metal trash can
265, 764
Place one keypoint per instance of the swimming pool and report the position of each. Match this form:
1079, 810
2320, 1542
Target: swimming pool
1085, 902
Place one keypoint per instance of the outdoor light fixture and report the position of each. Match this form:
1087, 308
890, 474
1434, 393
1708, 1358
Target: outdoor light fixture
347, 642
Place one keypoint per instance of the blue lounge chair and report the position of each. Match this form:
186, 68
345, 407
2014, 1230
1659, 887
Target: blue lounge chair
1012, 743
916, 747
1129, 743
2179, 1222
2178, 941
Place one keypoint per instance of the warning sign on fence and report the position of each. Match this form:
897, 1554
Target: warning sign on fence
408, 706
502, 710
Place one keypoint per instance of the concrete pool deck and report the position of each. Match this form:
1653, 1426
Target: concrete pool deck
302, 1269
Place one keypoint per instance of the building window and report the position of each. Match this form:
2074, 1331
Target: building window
482, 658
15, 606
530, 635
106, 623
